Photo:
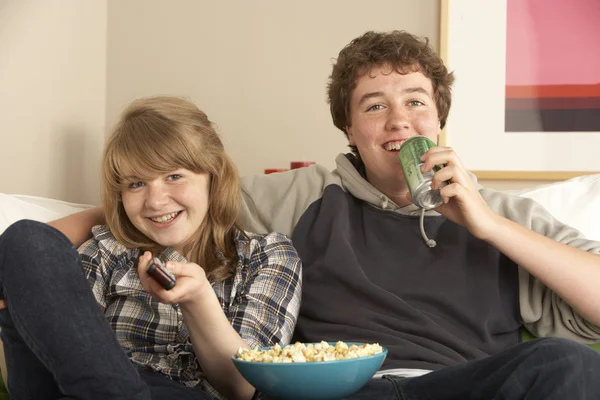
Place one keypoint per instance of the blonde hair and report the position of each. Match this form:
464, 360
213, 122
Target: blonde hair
158, 135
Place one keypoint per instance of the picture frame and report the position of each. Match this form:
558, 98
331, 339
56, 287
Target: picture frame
473, 41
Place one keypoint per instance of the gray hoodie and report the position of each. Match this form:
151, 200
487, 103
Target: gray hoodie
369, 275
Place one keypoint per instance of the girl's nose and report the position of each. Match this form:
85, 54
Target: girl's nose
157, 197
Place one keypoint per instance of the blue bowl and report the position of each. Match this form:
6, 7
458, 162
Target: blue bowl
311, 380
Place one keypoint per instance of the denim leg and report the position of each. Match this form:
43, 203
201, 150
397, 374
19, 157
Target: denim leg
385, 388
163, 388
19, 357
543, 369
54, 328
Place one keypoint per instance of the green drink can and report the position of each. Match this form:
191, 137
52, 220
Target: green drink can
419, 183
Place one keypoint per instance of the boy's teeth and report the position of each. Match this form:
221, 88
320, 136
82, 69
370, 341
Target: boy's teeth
392, 146
165, 218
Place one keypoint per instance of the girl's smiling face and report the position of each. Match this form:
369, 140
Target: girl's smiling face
167, 208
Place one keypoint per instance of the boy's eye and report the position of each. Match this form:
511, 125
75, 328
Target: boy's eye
415, 103
174, 177
375, 107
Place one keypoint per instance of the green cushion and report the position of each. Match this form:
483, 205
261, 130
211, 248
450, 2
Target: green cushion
3, 390
526, 336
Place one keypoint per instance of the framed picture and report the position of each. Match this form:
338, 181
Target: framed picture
526, 99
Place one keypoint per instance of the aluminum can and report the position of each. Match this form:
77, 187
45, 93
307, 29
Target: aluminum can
419, 183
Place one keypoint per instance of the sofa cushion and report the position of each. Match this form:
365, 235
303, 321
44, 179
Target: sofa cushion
575, 202
17, 207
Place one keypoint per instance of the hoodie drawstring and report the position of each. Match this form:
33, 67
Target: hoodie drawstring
428, 242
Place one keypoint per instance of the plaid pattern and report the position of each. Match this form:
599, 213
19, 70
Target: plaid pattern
261, 301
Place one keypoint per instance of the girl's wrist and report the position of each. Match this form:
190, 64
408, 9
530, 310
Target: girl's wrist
201, 298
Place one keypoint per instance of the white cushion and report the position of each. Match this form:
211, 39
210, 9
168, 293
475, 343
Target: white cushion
575, 202
17, 207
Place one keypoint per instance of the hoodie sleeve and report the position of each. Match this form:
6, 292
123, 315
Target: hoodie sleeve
275, 202
544, 313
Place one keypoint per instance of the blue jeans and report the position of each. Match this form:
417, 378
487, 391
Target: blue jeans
542, 369
57, 342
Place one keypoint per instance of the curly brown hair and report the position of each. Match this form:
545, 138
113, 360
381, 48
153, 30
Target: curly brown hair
400, 50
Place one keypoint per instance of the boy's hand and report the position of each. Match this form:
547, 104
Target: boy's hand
462, 202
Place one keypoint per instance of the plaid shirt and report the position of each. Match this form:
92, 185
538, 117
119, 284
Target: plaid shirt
261, 301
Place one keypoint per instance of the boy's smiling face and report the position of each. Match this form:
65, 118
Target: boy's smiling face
386, 108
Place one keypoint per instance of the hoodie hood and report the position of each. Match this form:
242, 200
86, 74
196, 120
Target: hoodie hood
352, 173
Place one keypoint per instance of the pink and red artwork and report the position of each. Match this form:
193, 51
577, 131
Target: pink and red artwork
553, 66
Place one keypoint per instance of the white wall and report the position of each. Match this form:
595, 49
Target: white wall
257, 68
52, 97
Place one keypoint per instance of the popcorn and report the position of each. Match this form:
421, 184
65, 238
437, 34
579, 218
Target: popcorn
301, 353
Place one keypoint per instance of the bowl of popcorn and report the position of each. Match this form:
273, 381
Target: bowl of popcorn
325, 370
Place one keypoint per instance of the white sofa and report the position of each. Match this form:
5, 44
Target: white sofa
575, 202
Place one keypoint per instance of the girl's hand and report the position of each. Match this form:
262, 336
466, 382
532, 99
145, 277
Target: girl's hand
190, 287
462, 202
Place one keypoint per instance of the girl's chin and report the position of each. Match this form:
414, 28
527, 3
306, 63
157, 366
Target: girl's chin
173, 243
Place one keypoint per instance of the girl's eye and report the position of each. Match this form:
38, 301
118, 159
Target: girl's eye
135, 185
175, 177
375, 107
